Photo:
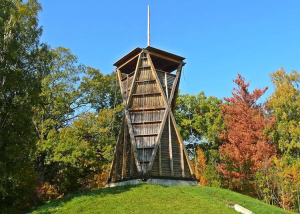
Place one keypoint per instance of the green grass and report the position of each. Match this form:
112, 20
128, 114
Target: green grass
155, 199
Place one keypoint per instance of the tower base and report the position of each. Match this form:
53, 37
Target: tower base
163, 182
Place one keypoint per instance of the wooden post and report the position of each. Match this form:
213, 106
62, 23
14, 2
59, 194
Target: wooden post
157, 79
130, 128
159, 160
181, 141
133, 80
132, 161
170, 134
124, 152
170, 147
115, 152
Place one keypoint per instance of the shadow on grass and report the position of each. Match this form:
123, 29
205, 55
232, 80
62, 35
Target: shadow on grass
99, 192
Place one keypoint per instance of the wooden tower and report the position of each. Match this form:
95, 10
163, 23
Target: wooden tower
149, 144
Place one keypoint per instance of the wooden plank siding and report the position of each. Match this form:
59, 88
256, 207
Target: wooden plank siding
149, 143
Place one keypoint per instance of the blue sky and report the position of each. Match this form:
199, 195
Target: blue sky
218, 38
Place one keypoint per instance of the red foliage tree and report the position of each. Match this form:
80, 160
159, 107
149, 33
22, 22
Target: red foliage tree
245, 145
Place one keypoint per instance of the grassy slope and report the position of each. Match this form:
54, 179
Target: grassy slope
156, 199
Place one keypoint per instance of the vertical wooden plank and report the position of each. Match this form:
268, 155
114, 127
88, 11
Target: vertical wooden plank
170, 135
157, 79
127, 85
159, 160
166, 85
175, 84
178, 73
168, 109
133, 80
157, 140
131, 161
121, 88
127, 115
124, 152
181, 141
170, 147
115, 152
182, 160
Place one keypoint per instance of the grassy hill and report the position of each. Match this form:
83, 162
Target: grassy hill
156, 199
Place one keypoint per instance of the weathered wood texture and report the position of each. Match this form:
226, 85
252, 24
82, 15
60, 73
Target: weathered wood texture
149, 143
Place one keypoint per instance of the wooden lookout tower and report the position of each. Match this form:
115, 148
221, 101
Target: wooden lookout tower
149, 147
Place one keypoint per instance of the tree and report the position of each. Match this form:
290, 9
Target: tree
284, 103
278, 183
83, 150
199, 121
200, 167
23, 63
102, 91
246, 146
64, 149
61, 102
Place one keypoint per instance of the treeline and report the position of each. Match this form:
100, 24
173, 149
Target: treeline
59, 121
246, 146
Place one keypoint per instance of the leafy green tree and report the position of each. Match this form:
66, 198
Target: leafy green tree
200, 121
68, 92
83, 150
61, 102
284, 103
23, 63
102, 91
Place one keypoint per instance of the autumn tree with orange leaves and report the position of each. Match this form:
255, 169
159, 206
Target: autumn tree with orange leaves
245, 146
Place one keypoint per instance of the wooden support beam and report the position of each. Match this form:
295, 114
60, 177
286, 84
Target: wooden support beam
146, 94
124, 78
157, 141
133, 81
175, 84
169, 74
121, 88
127, 115
167, 111
165, 57
166, 86
170, 134
132, 137
175, 95
157, 79
170, 147
147, 109
181, 144
182, 160
131, 161
127, 85
128, 61
115, 151
159, 160
181, 141
124, 152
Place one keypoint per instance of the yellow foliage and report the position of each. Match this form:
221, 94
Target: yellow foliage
200, 167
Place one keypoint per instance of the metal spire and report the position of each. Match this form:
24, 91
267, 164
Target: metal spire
148, 43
